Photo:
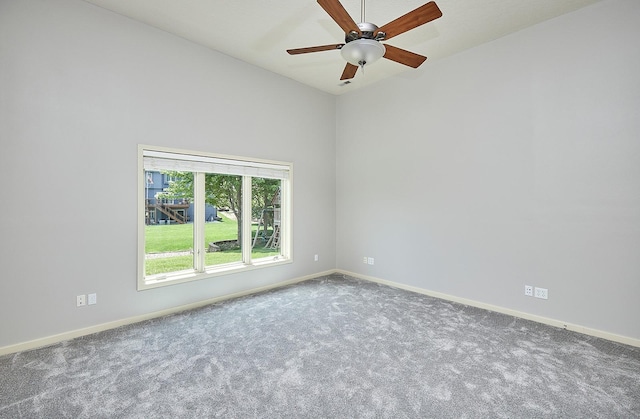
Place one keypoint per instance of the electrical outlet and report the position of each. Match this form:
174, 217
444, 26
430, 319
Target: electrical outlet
370, 261
92, 299
81, 300
315, 258
364, 259
541, 293
528, 290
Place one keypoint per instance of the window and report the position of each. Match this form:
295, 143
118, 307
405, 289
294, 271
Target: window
170, 177
217, 215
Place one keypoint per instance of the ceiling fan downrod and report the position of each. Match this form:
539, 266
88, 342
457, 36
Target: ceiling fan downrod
362, 62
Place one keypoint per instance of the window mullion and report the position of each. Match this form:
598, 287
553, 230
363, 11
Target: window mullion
285, 215
246, 219
198, 221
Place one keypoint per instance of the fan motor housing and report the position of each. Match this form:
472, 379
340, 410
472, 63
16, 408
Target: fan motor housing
366, 32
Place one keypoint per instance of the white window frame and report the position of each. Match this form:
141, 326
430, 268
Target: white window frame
154, 158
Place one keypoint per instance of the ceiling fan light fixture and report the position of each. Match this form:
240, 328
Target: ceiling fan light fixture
362, 51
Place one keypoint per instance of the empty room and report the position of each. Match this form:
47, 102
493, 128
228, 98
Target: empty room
322, 208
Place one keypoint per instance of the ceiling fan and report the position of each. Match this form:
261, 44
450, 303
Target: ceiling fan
362, 41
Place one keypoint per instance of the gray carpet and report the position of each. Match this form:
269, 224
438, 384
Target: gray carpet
332, 347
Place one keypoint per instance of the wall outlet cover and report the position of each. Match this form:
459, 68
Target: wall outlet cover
541, 293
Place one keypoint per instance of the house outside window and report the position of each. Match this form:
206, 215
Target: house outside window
218, 215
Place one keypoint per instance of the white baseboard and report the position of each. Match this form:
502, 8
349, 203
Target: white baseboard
539, 319
50, 340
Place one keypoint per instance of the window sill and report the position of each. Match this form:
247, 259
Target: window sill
163, 280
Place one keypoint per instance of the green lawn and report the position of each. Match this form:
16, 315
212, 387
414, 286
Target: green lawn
162, 238
179, 238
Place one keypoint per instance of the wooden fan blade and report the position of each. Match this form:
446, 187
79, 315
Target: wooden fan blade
403, 56
314, 49
349, 71
420, 16
338, 13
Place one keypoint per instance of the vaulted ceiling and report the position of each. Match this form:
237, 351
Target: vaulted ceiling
260, 32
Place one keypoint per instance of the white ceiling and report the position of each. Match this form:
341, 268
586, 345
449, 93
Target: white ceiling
260, 31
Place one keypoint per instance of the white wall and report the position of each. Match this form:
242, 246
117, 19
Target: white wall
517, 162
80, 87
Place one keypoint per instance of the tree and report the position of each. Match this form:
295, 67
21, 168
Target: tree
263, 192
224, 191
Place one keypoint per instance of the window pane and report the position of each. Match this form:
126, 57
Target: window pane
223, 212
266, 217
168, 229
